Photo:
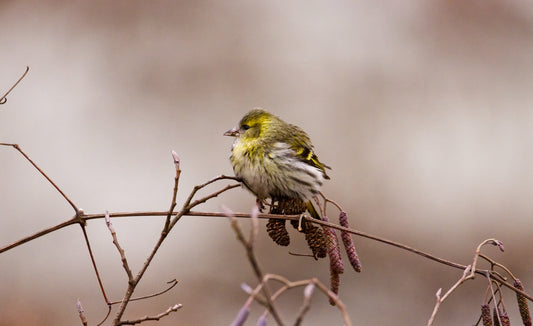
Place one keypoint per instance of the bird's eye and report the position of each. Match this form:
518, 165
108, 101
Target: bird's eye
245, 127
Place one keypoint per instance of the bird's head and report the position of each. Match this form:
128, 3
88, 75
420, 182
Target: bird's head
252, 125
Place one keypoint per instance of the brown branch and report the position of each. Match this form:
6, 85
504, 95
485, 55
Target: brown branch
87, 217
3, 99
386, 241
152, 318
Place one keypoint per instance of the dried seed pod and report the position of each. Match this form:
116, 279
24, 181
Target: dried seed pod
485, 315
522, 304
316, 241
295, 224
334, 252
277, 231
348, 243
288, 206
313, 235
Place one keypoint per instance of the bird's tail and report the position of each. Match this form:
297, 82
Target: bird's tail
312, 210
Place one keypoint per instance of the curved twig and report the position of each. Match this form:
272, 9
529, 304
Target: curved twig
3, 99
172, 283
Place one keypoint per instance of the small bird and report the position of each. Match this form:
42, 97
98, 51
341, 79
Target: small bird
275, 159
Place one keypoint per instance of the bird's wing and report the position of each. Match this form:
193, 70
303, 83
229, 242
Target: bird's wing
303, 150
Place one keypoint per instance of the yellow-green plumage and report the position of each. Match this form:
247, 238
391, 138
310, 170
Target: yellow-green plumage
275, 159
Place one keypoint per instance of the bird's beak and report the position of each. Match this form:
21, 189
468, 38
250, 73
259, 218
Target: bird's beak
232, 132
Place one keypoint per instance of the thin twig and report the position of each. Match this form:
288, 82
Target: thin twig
3, 99
511, 287
301, 255
17, 147
119, 248
152, 318
471, 271
440, 299
213, 195
500, 294
494, 242
327, 200
39, 234
386, 241
106, 315
173, 283
175, 191
93, 261
494, 299
495, 263
203, 185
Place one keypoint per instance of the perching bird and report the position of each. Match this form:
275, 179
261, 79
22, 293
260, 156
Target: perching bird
275, 159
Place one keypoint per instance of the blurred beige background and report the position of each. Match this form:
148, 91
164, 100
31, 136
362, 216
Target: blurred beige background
422, 108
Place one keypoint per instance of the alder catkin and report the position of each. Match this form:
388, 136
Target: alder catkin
522, 304
277, 231
348, 243
485, 315
334, 284
316, 241
495, 314
334, 252
505, 319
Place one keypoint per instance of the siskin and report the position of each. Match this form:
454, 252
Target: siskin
275, 159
